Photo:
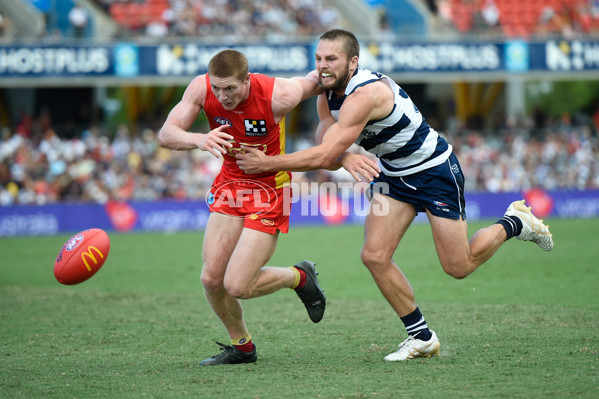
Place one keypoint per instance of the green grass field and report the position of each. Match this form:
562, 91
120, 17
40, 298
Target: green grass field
525, 325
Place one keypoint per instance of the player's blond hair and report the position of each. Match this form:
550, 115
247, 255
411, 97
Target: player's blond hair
228, 63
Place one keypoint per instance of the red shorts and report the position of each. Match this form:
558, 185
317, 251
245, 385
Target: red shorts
263, 207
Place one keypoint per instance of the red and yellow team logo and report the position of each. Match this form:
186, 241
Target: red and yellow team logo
236, 149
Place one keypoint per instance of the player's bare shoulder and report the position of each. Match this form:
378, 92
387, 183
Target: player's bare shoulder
196, 91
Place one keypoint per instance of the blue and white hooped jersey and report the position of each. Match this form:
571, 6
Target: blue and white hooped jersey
403, 141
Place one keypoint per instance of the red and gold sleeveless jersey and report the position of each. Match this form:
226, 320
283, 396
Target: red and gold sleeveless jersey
251, 124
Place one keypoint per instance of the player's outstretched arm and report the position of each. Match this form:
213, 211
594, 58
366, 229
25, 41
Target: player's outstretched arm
357, 165
288, 93
175, 133
356, 111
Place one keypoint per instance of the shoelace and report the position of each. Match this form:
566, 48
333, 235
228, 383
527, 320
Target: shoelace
225, 348
405, 342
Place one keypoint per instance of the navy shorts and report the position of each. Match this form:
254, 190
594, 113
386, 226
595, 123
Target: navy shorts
439, 189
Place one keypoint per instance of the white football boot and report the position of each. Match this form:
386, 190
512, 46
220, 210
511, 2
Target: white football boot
533, 229
413, 347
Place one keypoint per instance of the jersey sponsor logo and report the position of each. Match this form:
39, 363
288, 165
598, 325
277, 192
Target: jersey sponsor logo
222, 121
255, 127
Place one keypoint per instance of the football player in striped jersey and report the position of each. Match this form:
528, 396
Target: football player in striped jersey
417, 172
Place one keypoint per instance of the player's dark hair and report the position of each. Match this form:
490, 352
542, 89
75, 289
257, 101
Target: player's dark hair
228, 63
351, 45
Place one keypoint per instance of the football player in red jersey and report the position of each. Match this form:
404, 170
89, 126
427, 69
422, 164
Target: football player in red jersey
247, 211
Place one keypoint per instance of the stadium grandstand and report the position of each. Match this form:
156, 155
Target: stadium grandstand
74, 132
234, 20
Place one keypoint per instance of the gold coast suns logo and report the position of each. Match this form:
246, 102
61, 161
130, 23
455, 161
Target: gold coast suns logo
237, 147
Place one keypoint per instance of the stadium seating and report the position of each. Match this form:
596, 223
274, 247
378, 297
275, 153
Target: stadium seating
258, 18
135, 16
523, 19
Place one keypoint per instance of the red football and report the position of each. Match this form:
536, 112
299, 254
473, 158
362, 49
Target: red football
81, 256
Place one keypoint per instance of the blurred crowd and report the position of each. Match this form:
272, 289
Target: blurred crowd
513, 160
233, 19
288, 18
38, 167
272, 20
566, 18
230, 20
